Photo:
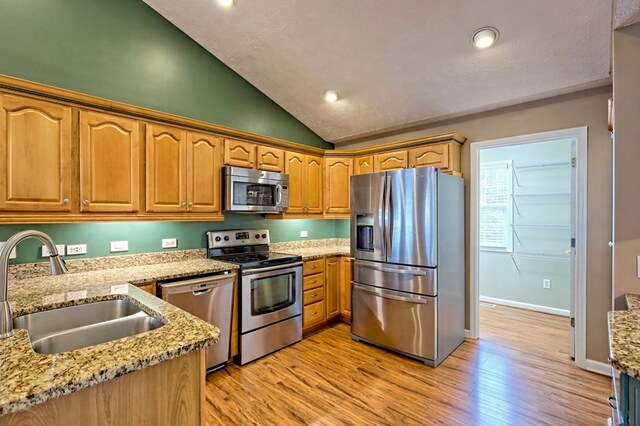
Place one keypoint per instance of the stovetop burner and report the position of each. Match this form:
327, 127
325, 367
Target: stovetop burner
248, 249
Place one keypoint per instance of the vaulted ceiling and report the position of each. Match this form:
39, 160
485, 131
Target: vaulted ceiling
396, 64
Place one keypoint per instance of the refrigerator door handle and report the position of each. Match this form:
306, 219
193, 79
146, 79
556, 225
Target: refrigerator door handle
387, 216
393, 270
386, 294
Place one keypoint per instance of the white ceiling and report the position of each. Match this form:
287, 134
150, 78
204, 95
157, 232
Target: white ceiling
627, 12
400, 63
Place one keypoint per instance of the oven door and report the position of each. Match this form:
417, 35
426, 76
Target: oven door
270, 295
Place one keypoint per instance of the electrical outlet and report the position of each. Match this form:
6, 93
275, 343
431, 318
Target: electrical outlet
119, 246
59, 247
13, 254
169, 243
303, 234
546, 284
74, 249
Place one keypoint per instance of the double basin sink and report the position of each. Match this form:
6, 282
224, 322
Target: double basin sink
81, 326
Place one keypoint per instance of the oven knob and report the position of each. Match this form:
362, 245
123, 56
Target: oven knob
264, 235
257, 236
226, 238
218, 238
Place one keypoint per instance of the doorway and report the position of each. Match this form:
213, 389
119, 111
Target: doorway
528, 227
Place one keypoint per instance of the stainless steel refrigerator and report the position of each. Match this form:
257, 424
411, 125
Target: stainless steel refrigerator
407, 241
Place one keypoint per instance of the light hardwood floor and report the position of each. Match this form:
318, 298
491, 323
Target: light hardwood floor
518, 373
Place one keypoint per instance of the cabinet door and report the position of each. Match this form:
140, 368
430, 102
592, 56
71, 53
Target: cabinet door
332, 293
434, 155
166, 169
338, 171
364, 164
239, 153
294, 166
271, 159
391, 161
204, 154
35, 155
313, 184
109, 163
345, 286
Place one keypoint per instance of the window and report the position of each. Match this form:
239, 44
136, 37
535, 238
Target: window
496, 213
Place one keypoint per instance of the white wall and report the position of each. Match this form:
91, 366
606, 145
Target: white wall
499, 277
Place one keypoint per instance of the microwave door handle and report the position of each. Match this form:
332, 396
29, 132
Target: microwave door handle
278, 194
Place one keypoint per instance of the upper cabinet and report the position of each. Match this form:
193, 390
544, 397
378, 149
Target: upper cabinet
305, 183
109, 163
166, 169
239, 153
445, 156
337, 171
391, 161
183, 170
35, 155
270, 159
364, 164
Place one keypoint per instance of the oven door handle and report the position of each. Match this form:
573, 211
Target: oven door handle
246, 272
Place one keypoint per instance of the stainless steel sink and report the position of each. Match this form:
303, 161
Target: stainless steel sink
80, 326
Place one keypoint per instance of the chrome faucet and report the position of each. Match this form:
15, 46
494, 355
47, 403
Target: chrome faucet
57, 267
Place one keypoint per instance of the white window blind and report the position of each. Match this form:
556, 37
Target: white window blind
496, 214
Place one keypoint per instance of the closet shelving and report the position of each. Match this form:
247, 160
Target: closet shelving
517, 228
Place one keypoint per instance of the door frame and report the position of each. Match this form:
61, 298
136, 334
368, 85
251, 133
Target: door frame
580, 264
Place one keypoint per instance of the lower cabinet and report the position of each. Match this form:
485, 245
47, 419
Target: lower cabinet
313, 294
332, 281
629, 400
345, 288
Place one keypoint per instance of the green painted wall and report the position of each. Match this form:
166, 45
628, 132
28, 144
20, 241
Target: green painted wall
146, 237
123, 50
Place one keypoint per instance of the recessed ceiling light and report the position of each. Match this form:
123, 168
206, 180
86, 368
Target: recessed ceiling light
330, 96
485, 37
227, 3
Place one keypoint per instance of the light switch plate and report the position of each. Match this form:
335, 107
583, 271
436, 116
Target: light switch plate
59, 247
303, 234
13, 254
119, 246
169, 243
73, 249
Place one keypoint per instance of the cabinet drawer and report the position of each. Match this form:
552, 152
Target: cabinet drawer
313, 295
313, 314
312, 281
313, 267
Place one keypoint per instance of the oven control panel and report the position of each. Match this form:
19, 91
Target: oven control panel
247, 237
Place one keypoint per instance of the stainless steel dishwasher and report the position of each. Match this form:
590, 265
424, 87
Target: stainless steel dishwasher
209, 298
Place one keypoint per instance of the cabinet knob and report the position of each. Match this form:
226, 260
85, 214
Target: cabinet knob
86, 203
65, 202
261, 163
184, 204
190, 204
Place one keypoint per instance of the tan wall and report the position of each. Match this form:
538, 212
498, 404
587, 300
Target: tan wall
586, 108
626, 95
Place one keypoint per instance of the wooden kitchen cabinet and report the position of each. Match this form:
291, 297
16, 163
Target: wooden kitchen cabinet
270, 159
109, 163
239, 153
391, 161
305, 183
445, 156
337, 171
148, 286
35, 155
204, 178
364, 164
345, 288
313, 287
332, 282
183, 170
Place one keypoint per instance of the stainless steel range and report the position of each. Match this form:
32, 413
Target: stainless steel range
270, 291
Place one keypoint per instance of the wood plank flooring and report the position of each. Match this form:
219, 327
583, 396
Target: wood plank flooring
517, 373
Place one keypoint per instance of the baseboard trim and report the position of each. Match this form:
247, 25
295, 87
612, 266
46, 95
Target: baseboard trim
598, 367
529, 306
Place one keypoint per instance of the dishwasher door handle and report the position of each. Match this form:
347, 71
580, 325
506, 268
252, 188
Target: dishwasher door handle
201, 292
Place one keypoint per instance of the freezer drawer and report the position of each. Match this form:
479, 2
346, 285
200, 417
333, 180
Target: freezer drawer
398, 321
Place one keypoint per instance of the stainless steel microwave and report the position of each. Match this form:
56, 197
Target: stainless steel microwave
255, 191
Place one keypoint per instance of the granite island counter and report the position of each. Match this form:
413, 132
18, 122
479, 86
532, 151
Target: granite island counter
84, 385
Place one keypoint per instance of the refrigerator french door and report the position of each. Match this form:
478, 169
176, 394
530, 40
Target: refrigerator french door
408, 271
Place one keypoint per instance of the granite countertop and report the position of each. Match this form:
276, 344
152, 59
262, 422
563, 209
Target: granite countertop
315, 249
29, 378
624, 337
